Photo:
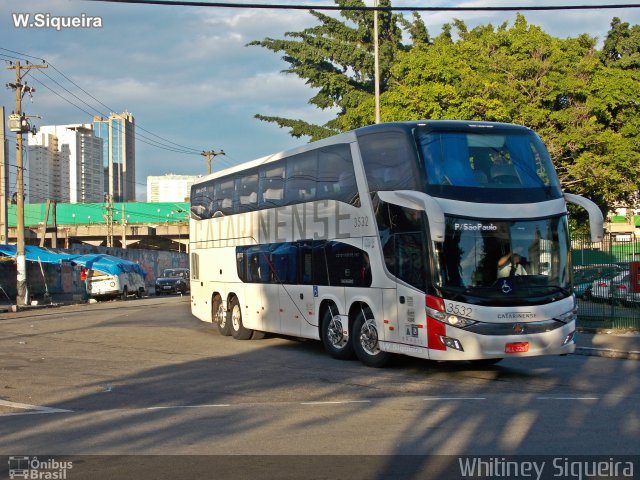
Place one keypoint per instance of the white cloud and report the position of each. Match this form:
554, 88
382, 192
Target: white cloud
186, 74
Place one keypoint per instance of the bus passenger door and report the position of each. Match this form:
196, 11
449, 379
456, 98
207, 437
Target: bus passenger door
411, 317
261, 291
295, 300
404, 258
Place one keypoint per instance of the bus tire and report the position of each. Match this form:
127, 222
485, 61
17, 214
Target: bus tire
366, 342
335, 342
220, 317
125, 293
234, 317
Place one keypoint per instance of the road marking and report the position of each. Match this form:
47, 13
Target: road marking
188, 406
33, 409
337, 402
454, 398
567, 398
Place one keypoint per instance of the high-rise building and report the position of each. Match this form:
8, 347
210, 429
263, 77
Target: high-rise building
119, 157
44, 170
169, 188
65, 164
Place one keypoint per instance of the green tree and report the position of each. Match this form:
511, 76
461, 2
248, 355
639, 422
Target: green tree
582, 102
336, 58
584, 109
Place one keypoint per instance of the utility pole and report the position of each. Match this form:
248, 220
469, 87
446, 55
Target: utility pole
19, 124
376, 60
108, 200
210, 156
4, 181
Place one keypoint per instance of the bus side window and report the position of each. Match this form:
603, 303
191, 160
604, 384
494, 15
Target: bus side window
348, 265
305, 262
272, 187
319, 263
336, 177
385, 153
247, 188
302, 171
284, 260
241, 260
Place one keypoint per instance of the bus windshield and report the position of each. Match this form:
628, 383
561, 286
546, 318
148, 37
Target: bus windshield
501, 261
491, 165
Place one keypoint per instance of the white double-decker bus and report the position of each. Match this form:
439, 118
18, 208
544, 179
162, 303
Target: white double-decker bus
445, 240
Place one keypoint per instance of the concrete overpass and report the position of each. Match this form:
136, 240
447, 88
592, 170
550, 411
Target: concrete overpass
161, 226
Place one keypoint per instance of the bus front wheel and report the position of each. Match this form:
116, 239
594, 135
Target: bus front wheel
366, 342
235, 319
220, 316
334, 339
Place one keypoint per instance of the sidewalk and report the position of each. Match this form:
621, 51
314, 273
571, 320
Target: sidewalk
609, 343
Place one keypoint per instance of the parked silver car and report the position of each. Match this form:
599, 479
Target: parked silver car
612, 289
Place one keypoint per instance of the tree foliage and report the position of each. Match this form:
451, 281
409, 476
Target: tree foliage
336, 58
582, 102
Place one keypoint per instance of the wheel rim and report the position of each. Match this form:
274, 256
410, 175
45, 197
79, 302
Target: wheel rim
335, 335
369, 337
235, 318
220, 317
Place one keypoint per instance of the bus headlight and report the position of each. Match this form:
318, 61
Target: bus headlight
456, 321
449, 319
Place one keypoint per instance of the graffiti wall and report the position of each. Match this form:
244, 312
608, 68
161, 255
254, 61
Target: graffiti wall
64, 280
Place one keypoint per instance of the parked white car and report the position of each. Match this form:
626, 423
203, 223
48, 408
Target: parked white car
123, 284
612, 289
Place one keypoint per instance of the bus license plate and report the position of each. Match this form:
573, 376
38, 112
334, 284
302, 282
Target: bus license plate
516, 347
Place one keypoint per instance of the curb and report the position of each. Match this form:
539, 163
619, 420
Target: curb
607, 352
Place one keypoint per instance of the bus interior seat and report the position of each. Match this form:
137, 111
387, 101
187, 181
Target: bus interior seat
273, 194
249, 199
481, 177
306, 194
504, 174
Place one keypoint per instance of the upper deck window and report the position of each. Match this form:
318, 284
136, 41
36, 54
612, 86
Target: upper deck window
389, 161
494, 160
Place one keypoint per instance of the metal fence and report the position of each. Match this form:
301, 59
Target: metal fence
603, 283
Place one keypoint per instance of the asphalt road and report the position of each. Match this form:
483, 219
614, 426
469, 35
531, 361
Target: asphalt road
144, 377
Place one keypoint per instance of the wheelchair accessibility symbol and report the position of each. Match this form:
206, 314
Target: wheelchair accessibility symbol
506, 286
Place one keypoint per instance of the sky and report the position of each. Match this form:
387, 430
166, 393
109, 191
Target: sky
188, 78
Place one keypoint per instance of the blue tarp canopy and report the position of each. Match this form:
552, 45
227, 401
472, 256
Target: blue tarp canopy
95, 261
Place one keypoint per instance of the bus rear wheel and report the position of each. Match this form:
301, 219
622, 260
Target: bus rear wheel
220, 316
234, 317
366, 342
335, 342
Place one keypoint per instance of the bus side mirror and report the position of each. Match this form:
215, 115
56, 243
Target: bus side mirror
596, 220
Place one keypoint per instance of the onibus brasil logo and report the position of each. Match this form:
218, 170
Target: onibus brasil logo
33, 468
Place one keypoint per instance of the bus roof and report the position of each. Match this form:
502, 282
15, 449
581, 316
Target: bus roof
464, 125
346, 137
351, 135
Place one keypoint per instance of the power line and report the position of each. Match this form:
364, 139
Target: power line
177, 148
276, 6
